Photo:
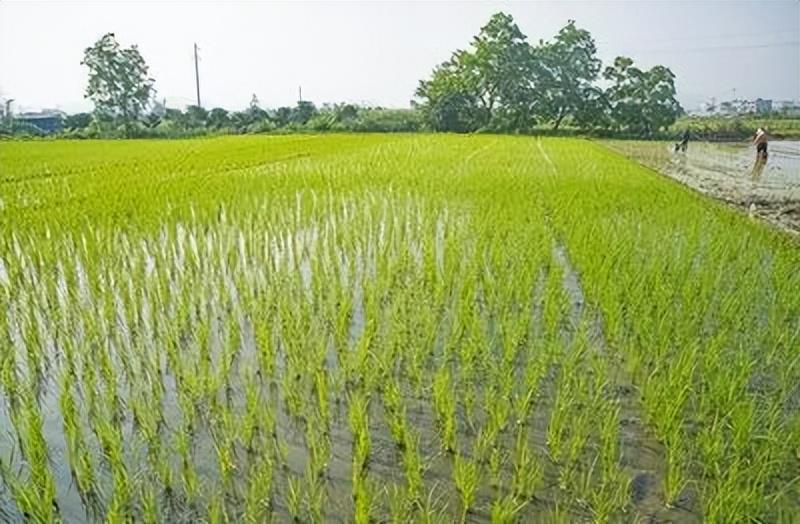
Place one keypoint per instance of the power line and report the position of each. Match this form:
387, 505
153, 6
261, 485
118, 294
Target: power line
698, 37
719, 48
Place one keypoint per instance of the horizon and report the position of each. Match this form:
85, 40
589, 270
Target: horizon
359, 52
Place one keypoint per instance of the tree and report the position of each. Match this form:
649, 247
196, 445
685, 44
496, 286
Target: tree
218, 118
565, 70
282, 116
500, 67
449, 99
254, 110
641, 101
456, 111
304, 112
178, 118
345, 112
119, 85
487, 86
78, 121
196, 116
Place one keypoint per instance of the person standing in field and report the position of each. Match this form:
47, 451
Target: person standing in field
683, 145
760, 141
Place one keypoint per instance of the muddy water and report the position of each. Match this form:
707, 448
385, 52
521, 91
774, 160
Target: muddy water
727, 171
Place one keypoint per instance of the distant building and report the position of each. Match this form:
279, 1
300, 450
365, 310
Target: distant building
744, 107
45, 121
760, 106
763, 106
789, 107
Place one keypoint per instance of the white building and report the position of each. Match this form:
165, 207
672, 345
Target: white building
791, 107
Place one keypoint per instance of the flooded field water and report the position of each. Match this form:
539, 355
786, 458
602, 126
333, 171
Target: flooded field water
727, 171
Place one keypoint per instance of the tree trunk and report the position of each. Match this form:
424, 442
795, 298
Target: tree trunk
559, 118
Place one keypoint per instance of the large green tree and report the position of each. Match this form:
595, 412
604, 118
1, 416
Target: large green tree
119, 85
501, 65
565, 71
449, 99
484, 86
503, 83
642, 101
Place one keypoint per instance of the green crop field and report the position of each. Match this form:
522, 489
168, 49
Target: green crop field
387, 329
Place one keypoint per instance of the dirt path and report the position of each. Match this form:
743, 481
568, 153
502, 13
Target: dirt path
725, 171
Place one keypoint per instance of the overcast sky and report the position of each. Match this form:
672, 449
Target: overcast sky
375, 52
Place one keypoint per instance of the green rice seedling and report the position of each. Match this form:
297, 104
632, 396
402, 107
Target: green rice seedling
79, 458
257, 499
498, 408
149, 503
359, 428
445, 407
319, 449
484, 442
321, 389
557, 515
528, 472
35, 497
675, 480
315, 495
363, 499
496, 462
110, 438
465, 479
559, 421
413, 467
27, 498
432, 509
190, 481
400, 508
395, 413
250, 422
610, 495
294, 497
505, 510
217, 514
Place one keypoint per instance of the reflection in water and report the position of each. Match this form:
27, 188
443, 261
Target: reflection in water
758, 167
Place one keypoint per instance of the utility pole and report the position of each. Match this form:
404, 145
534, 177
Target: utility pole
196, 75
299, 93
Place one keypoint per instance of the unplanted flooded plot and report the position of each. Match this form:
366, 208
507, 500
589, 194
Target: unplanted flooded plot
727, 171
385, 328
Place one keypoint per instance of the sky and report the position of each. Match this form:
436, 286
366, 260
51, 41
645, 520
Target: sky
376, 52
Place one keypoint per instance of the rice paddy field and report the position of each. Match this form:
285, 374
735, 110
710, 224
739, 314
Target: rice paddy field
368, 328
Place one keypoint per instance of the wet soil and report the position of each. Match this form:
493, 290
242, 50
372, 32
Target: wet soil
728, 172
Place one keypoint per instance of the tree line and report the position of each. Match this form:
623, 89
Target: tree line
503, 83
305, 116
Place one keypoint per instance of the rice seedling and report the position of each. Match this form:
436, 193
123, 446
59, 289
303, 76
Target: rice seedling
465, 479
505, 510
